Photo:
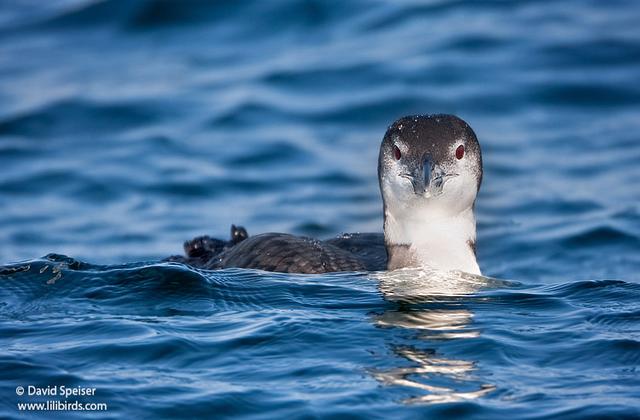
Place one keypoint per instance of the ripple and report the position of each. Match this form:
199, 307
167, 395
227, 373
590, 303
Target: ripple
619, 320
600, 235
587, 94
78, 116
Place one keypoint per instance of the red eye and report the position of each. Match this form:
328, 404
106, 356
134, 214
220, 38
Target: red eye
460, 152
397, 153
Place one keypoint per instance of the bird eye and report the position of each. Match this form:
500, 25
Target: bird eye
396, 152
460, 152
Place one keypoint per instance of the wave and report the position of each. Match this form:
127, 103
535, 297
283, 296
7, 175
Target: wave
432, 335
164, 287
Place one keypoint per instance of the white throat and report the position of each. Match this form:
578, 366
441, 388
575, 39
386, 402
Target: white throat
430, 236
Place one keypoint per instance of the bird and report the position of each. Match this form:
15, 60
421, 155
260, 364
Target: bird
429, 173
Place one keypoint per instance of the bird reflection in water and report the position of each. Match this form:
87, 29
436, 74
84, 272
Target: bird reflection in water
431, 303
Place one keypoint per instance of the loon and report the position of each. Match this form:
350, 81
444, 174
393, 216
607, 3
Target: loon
429, 171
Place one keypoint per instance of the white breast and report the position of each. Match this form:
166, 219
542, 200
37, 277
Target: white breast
435, 238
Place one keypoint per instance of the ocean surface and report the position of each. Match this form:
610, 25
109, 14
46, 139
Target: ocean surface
127, 127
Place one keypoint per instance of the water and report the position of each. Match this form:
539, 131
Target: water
128, 127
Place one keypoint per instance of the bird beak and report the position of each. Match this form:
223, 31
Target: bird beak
428, 178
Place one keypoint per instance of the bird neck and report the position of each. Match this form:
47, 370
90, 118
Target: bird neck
428, 236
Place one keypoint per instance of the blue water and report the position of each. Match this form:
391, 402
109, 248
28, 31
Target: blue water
127, 127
